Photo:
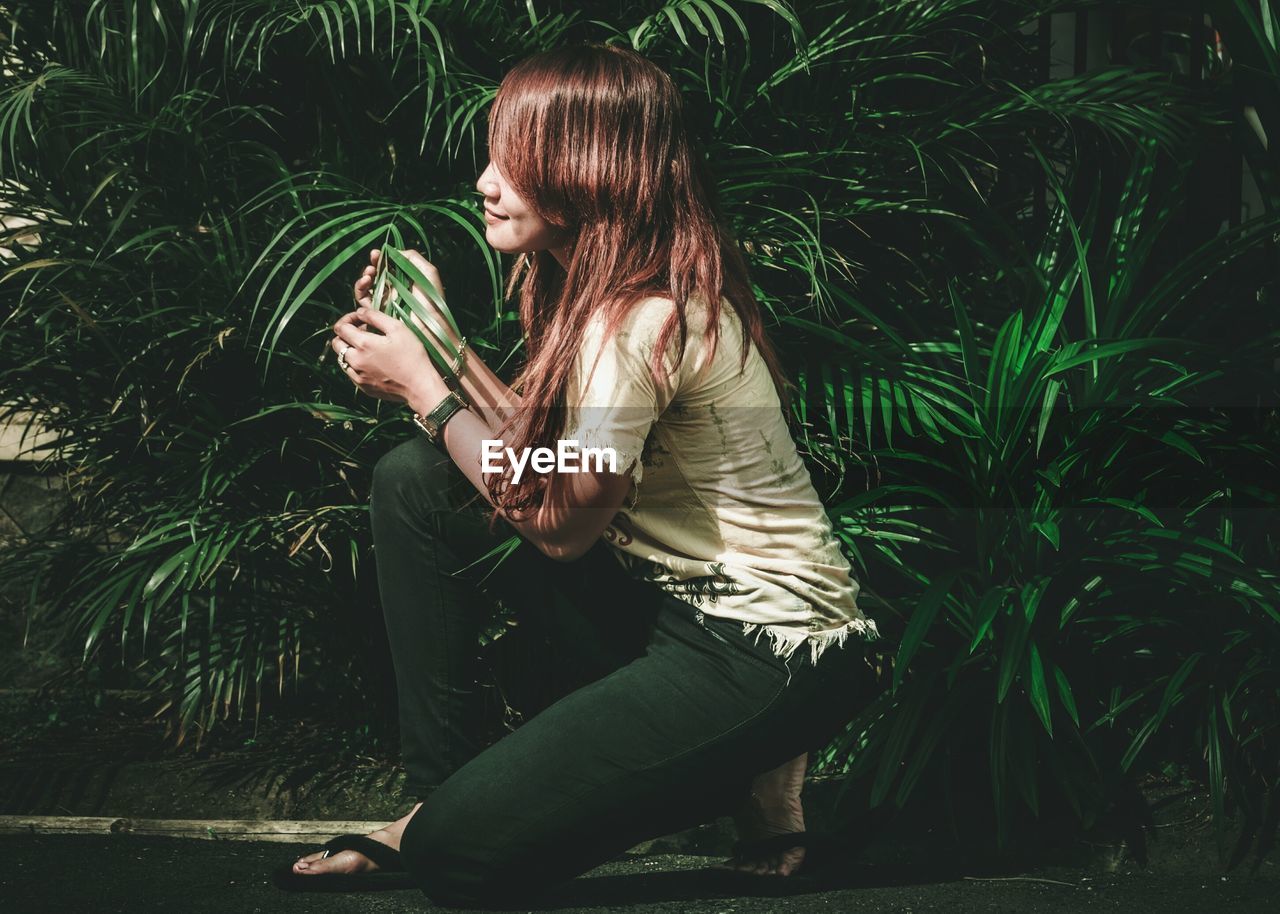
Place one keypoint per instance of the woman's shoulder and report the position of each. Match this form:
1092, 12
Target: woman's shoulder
645, 317
647, 313
641, 328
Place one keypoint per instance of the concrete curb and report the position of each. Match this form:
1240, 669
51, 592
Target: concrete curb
303, 831
205, 829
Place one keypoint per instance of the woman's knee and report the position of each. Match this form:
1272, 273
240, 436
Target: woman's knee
412, 473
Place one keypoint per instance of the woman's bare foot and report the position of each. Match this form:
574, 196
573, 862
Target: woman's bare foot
350, 861
773, 808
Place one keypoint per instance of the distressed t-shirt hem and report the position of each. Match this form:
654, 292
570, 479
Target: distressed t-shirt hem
785, 641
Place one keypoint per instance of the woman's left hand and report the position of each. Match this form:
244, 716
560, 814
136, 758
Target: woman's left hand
391, 365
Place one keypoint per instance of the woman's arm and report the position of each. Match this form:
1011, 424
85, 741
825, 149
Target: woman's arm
577, 506
386, 360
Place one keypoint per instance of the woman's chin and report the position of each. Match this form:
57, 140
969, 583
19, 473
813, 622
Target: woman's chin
500, 243
497, 238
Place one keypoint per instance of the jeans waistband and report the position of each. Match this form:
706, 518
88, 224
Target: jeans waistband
729, 633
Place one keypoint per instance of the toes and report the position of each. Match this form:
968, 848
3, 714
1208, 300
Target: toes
341, 862
329, 864
309, 860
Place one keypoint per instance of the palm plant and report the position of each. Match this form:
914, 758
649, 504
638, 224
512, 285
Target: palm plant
1014, 409
1094, 553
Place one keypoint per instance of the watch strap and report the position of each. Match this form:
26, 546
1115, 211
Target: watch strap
433, 422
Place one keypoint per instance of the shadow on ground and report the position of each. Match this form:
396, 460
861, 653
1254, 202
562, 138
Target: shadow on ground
132, 873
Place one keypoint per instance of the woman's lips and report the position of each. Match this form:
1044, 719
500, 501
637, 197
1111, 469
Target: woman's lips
491, 216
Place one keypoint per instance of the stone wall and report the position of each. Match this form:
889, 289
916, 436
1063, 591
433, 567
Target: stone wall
31, 497
29, 500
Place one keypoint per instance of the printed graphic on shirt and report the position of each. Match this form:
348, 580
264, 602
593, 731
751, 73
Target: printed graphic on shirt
700, 589
653, 451
618, 532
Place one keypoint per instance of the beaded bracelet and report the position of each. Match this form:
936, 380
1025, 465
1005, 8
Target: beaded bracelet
455, 370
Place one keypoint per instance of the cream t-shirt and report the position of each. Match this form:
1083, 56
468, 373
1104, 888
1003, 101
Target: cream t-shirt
722, 513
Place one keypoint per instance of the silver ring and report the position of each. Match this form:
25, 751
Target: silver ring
342, 358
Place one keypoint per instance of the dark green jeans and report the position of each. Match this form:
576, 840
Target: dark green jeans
672, 714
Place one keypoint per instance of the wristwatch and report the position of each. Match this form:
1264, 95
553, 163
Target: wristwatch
433, 422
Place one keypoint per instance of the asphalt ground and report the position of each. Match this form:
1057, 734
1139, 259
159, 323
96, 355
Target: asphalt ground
128, 873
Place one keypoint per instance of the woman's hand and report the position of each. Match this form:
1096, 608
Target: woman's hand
364, 289
390, 365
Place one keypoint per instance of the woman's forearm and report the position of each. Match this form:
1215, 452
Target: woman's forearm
575, 508
486, 392
556, 529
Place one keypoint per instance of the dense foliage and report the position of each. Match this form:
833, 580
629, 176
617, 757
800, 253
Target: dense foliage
1038, 387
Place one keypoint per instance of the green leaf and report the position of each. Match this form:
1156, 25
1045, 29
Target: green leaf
1038, 689
1065, 695
1048, 528
921, 621
985, 615
168, 567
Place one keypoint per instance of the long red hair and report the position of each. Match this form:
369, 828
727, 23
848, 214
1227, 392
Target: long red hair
593, 138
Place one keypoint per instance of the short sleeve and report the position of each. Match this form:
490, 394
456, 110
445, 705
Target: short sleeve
612, 398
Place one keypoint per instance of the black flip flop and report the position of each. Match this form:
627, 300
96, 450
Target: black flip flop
820, 851
390, 873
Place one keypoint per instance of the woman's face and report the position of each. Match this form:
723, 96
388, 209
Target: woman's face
510, 225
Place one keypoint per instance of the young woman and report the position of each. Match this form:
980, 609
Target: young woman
664, 572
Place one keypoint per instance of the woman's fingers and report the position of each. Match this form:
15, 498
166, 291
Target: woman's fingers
433, 276
348, 318
359, 334
363, 289
345, 333
340, 346
428, 269
381, 322
364, 285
